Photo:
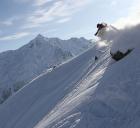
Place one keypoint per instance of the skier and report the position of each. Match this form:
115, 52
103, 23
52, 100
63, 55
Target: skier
100, 26
96, 58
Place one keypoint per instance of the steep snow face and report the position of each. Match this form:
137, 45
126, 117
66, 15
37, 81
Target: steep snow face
74, 45
41, 96
21, 66
82, 93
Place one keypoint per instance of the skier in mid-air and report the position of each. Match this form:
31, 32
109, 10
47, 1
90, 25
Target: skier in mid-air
100, 27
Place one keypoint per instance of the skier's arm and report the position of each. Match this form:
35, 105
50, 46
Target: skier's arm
96, 32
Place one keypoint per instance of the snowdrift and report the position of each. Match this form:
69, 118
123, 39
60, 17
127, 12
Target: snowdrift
82, 93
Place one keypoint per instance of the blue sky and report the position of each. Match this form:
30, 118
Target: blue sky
22, 20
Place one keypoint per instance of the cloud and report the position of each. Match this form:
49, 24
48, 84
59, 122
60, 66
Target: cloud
64, 20
113, 3
10, 21
46, 32
81, 32
22, 1
30, 25
132, 19
35, 2
7, 23
14, 36
57, 11
41, 2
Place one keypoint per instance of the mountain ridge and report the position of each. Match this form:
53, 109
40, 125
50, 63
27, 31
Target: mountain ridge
84, 92
20, 66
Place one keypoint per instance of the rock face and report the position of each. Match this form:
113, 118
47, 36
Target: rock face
20, 66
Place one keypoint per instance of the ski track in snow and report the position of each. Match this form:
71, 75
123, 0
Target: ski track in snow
84, 85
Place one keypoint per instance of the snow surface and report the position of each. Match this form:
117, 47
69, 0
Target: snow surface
22, 65
82, 93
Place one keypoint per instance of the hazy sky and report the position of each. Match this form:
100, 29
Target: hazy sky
22, 20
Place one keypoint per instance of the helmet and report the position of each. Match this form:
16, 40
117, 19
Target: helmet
98, 25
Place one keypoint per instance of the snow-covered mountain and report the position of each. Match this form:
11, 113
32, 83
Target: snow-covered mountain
20, 66
82, 93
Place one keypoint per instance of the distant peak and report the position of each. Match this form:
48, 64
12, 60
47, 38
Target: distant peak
82, 38
39, 36
73, 38
76, 38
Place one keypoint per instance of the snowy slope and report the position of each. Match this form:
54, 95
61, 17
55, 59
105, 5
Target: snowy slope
81, 93
21, 66
84, 95
74, 45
